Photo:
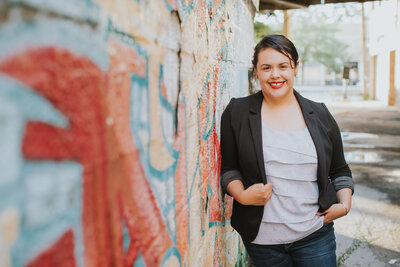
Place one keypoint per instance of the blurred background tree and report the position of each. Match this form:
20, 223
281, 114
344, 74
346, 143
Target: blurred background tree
261, 29
313, 31
315, 41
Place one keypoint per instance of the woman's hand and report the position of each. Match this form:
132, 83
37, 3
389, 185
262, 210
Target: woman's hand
257, 195
334, 212
340, 209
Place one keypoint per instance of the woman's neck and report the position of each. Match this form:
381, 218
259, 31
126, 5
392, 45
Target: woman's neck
285, 101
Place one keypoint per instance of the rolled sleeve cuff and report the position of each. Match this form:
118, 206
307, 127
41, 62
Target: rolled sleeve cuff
343, 182
228, 177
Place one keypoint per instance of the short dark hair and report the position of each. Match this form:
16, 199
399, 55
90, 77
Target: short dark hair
278, 42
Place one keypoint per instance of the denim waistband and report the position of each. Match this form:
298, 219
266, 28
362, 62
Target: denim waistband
325, 228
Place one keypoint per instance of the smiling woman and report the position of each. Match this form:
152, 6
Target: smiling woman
283, 163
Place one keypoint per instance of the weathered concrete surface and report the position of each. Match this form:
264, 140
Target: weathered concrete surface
370, 234
109, 130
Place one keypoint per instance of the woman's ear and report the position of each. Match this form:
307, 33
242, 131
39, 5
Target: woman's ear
255, 72
296, 68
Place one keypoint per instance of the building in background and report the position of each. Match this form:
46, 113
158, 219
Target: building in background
384, 50
351, 35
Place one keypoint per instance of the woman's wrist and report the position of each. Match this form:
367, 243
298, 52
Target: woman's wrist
241, 197
344, 197
345, 207
235, 188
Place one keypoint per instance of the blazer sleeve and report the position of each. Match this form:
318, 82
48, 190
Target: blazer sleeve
339, 172
229, 158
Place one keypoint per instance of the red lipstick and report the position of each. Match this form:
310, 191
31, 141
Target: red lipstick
276, 85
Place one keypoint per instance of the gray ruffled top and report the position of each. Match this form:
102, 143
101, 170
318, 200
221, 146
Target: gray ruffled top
291, 165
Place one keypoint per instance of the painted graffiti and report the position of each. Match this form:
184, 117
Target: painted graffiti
110, 141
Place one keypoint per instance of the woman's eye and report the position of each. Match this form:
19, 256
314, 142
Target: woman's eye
283, 67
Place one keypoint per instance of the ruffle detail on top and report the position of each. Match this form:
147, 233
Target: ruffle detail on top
291, 166
292, 141
275, 234
294, 189
294, 172
282, 209
289, 156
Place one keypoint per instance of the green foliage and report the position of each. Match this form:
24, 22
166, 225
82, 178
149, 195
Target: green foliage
353, 247
315, 40
261, 30
313, 31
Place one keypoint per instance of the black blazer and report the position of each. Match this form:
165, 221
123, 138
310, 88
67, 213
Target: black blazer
242, 155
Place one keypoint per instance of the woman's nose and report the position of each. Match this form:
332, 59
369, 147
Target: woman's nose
275, 72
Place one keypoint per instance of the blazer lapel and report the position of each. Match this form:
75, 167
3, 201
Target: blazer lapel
256, 132
309, 118
313, 127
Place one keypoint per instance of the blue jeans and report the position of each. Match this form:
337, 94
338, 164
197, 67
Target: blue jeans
317, 249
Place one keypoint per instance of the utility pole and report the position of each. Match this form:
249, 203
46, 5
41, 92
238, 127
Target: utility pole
365, 63
372, 72
392, 89
286, 23
372, 75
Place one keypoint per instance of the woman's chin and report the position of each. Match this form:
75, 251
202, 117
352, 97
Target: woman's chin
276, 93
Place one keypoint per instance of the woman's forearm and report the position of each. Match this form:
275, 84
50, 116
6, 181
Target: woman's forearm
344, 197
235, 188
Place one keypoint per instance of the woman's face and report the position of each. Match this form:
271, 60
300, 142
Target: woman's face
275, 72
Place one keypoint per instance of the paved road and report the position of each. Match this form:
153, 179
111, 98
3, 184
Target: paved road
370, 234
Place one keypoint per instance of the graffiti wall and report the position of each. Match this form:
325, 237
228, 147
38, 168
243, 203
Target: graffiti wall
109, 130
